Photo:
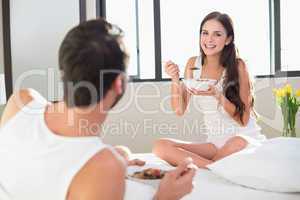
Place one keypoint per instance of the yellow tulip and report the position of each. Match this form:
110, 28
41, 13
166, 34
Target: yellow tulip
297, 93
277, 93
288, 89
274, 91
280, 93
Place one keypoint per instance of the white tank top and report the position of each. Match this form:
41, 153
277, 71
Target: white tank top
218, 123
35, 163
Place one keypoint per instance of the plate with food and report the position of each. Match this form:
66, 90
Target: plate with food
149, 174
198, 84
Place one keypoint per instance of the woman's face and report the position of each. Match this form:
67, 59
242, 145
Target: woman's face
213, 38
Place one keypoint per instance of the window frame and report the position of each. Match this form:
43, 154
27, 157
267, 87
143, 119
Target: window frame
275, 42
275, 45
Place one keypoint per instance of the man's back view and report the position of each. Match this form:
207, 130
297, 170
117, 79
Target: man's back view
46, 154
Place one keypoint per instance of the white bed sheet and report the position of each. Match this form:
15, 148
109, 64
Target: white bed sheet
208, 186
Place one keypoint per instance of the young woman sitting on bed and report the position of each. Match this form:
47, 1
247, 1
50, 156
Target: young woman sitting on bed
227, 106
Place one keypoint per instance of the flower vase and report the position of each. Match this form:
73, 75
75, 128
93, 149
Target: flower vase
289, 119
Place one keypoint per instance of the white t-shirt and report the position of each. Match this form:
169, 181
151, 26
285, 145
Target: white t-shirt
35, 163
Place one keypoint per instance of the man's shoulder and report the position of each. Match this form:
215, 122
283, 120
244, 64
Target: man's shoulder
16, 102
108, 158
103, 171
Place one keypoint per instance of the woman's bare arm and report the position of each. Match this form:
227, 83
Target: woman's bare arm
180, 96
245, 95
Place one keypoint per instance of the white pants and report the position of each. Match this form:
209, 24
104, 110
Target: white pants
252, 138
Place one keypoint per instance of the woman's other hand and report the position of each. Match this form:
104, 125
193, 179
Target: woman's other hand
212, 91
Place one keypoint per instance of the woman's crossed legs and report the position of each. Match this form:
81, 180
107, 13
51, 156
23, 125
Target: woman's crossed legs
174, 151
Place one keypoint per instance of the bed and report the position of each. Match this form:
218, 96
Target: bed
207, 186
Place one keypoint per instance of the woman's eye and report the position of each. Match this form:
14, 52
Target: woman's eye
204, 33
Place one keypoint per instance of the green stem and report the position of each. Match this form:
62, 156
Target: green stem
284, 110
292, 124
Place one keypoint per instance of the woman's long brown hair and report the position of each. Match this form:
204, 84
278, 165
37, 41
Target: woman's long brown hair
229, 61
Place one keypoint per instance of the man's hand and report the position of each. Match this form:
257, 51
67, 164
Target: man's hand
125, 153
177, 183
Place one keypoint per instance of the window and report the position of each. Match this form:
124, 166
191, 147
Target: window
137, 23
158, 31
290, 35
123, 14
146, 39
180, 23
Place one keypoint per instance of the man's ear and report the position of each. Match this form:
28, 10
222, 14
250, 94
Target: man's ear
118, 85
228, 40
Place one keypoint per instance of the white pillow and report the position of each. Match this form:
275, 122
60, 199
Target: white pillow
273, 166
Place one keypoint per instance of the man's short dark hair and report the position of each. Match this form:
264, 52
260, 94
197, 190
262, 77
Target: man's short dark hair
90, 56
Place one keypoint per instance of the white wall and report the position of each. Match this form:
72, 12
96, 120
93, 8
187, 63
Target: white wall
35, 51
36, 34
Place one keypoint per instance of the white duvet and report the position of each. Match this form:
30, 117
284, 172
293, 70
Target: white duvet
207, 186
